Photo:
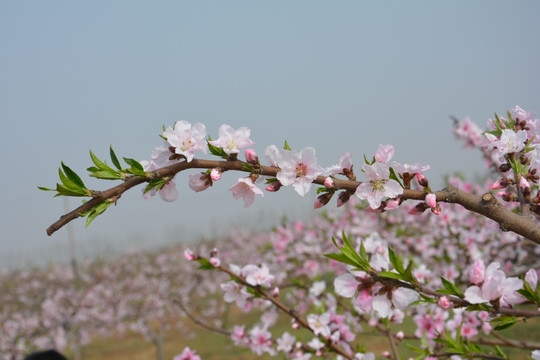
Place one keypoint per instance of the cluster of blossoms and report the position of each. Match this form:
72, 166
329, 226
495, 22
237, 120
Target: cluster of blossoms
511, 146
298, 169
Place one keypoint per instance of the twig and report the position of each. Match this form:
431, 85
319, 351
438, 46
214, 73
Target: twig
198, 322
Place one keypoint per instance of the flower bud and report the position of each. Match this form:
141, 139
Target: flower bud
500, 184
322, 200
422, 180
431, 200
251, 156
400, 335
504, 167
215, 174
189, 255
215, 261
273, 186
343, 197
477, 272
329, 182
444, 303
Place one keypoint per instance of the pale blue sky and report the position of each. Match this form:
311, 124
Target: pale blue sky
339, 76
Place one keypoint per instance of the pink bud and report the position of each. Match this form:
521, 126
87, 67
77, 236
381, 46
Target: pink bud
386, 354
318, 352
273, 186
431, 200
477, 272
189, 255
392, 204
275, 292
523, 184
329, 182
421, 180
215, 174
251, 156
215, 261
499, 184
400, 335
444, 303
295, 326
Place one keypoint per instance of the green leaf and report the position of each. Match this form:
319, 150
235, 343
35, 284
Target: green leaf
136, 167
391, 275
341, 258
45, 189
504, 322
100, 164
72, 176
451, 289
286, 146
106, 175
114, 159
217, 151
500, 352
395, 177
68, 184
247, 167
396, 261
205, 264
62, 190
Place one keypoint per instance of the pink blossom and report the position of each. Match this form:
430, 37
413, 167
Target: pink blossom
258, 275
518, 113
246, 189
378, 186
510, 141
286, 342
199, 182
444, 303
319, 324
215, 261
532, 278
215, 174
186, 139
431, 200
189, 255
329, 182
231, 141
477, 272
260, 341
298, 169
346, 285
384, 153
235, 292
496, 286
187, 354
251, 156
344, 166
238, 335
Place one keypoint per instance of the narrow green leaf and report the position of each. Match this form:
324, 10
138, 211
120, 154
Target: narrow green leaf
391, 275
71, 175
452, 288
68, 184
395, 177
100, 164
341, 258
396, 261
114, 159
45, 189
286, 146
106, 175
62, 190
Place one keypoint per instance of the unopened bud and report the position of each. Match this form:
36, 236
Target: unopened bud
500, 184
189, 255
273, 186
329, 182
400, 335
504, 167
525, 188
215, 261
507, 196
431, 200
422, 180
444, 303
343, 197
322, 200
275, 292
418, 209
251, 156
215, 174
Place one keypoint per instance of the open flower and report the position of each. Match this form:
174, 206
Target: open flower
231, 141
186, 139
246, 189
298, 169
379, 185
